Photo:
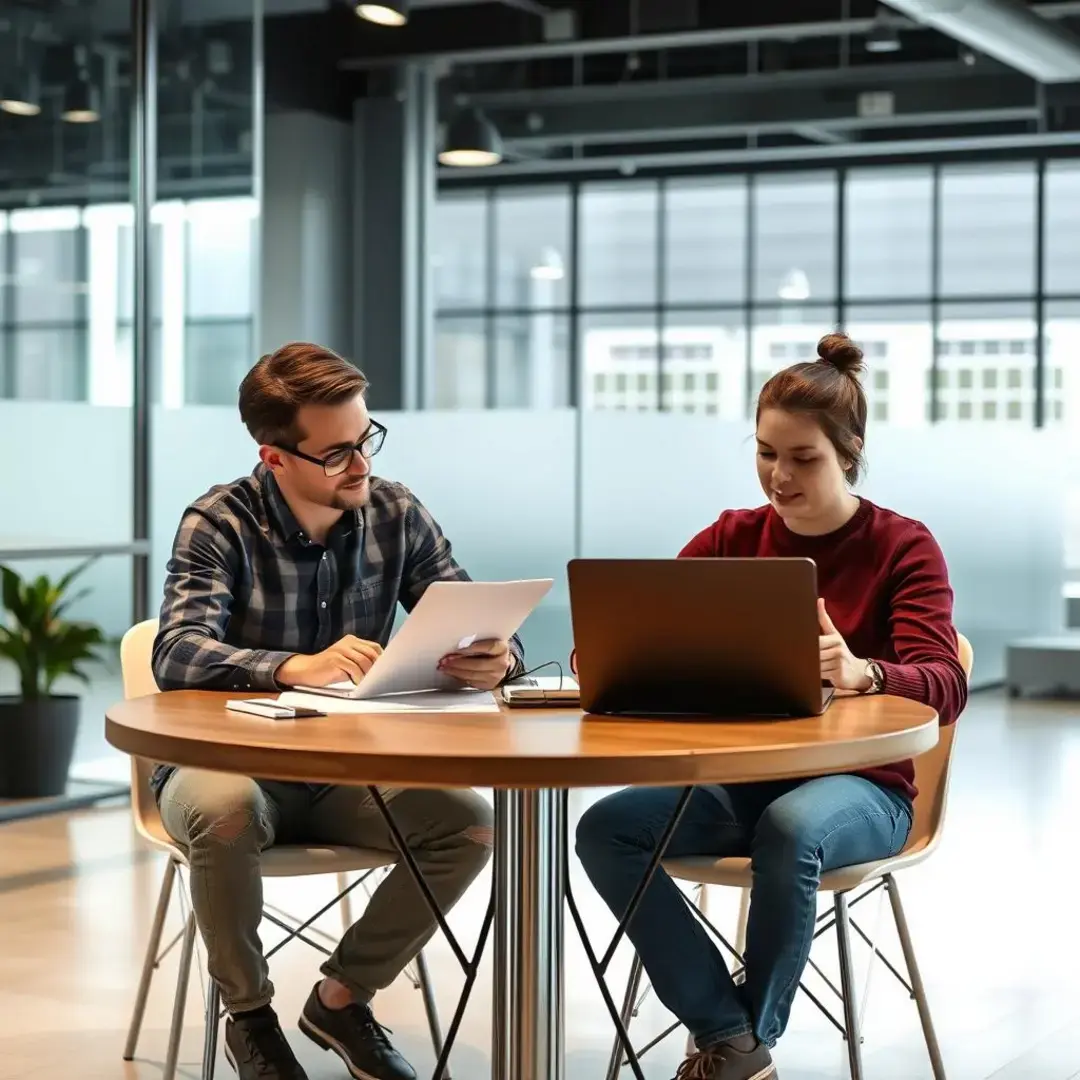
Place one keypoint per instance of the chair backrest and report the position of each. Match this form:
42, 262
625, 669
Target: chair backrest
136, 648
932, 771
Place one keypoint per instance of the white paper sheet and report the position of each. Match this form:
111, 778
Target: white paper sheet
450, 615
448, 701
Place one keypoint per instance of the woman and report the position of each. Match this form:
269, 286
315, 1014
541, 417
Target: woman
886, 627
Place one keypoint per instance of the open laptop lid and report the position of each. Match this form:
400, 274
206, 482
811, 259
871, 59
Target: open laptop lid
697, 636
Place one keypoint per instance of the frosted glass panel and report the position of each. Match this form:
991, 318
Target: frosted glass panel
501, 484
650, 482
72, 480
194, 448
1006, 567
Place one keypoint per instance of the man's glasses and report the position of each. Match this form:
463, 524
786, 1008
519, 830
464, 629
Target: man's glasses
338, 461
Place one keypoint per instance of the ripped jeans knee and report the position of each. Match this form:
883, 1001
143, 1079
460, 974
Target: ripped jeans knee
200, 808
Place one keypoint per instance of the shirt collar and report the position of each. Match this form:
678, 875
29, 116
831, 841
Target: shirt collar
280, 514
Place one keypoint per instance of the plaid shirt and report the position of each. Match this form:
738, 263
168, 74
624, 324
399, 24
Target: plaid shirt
246, 589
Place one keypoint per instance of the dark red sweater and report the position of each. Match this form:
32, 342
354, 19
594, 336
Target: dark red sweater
887, 591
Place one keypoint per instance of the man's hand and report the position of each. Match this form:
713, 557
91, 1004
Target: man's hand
838, 665
350, 658
484, 664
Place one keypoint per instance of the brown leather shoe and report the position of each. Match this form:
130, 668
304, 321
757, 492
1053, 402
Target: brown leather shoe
724, 1062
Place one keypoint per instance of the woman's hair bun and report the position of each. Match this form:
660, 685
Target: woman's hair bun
839, 351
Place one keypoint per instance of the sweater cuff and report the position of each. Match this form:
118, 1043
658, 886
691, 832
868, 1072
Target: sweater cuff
903, 680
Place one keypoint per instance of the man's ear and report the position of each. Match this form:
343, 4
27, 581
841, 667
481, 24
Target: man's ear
270, 456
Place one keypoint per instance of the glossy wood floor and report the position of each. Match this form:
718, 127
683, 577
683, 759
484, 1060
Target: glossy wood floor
993, 915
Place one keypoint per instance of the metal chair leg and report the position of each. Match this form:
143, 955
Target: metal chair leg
423, 981
633, 985
744, 914
213, 1025
150, 961
916, 978
847, 984
347, 918
183, 976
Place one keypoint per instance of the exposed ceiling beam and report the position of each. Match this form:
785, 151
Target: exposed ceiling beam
848, 78
1008, 30
702, 38
627, 164
815, 134
681, 39
834, 132
760, 106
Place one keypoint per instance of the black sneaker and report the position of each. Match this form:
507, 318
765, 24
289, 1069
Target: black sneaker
257, 1048
356, 1037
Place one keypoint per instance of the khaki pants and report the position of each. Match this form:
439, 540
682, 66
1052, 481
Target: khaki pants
225, 821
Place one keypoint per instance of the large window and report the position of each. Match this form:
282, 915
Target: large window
619, 231
685, 293
503, 271
794, 235
888, 249
705, 254
1062, 227
988, 230
66, 301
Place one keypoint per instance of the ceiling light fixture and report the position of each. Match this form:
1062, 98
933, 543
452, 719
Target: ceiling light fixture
472, 141
82, 102
21, 96
391, 13
882, 37
82, 99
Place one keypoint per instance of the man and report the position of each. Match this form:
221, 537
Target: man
291, 577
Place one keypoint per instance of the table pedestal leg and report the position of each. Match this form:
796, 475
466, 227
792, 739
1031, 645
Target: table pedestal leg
529, 867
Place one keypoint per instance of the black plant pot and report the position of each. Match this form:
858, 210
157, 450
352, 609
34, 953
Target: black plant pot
37, 742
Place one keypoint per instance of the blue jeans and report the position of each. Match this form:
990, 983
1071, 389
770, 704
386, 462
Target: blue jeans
792, 831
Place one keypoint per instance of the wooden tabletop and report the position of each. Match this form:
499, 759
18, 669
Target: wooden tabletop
519, 748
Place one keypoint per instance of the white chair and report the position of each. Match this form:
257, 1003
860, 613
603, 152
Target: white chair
277, 861
932, 779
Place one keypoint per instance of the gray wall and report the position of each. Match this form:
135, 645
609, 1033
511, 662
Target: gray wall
307, 260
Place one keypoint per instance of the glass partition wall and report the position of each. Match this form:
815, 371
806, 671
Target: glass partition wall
683, 294
128, 311
123, 293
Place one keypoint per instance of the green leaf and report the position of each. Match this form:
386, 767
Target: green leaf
63, 605
41, 644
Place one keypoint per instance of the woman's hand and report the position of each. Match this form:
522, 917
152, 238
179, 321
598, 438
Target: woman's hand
838, 665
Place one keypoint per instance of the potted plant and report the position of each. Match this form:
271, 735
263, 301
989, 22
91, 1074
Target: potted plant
38, 727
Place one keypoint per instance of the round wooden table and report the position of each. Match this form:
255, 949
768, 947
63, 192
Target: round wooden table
530, 757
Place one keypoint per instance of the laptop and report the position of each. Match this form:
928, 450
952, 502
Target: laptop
697, 637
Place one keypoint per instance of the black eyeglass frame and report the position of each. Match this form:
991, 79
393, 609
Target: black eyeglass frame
374, 430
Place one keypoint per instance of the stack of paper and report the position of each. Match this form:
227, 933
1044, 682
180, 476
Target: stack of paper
448, 701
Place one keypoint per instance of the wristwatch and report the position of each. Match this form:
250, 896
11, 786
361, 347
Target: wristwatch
876, 677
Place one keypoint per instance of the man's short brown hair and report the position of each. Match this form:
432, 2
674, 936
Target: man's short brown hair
283, 382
